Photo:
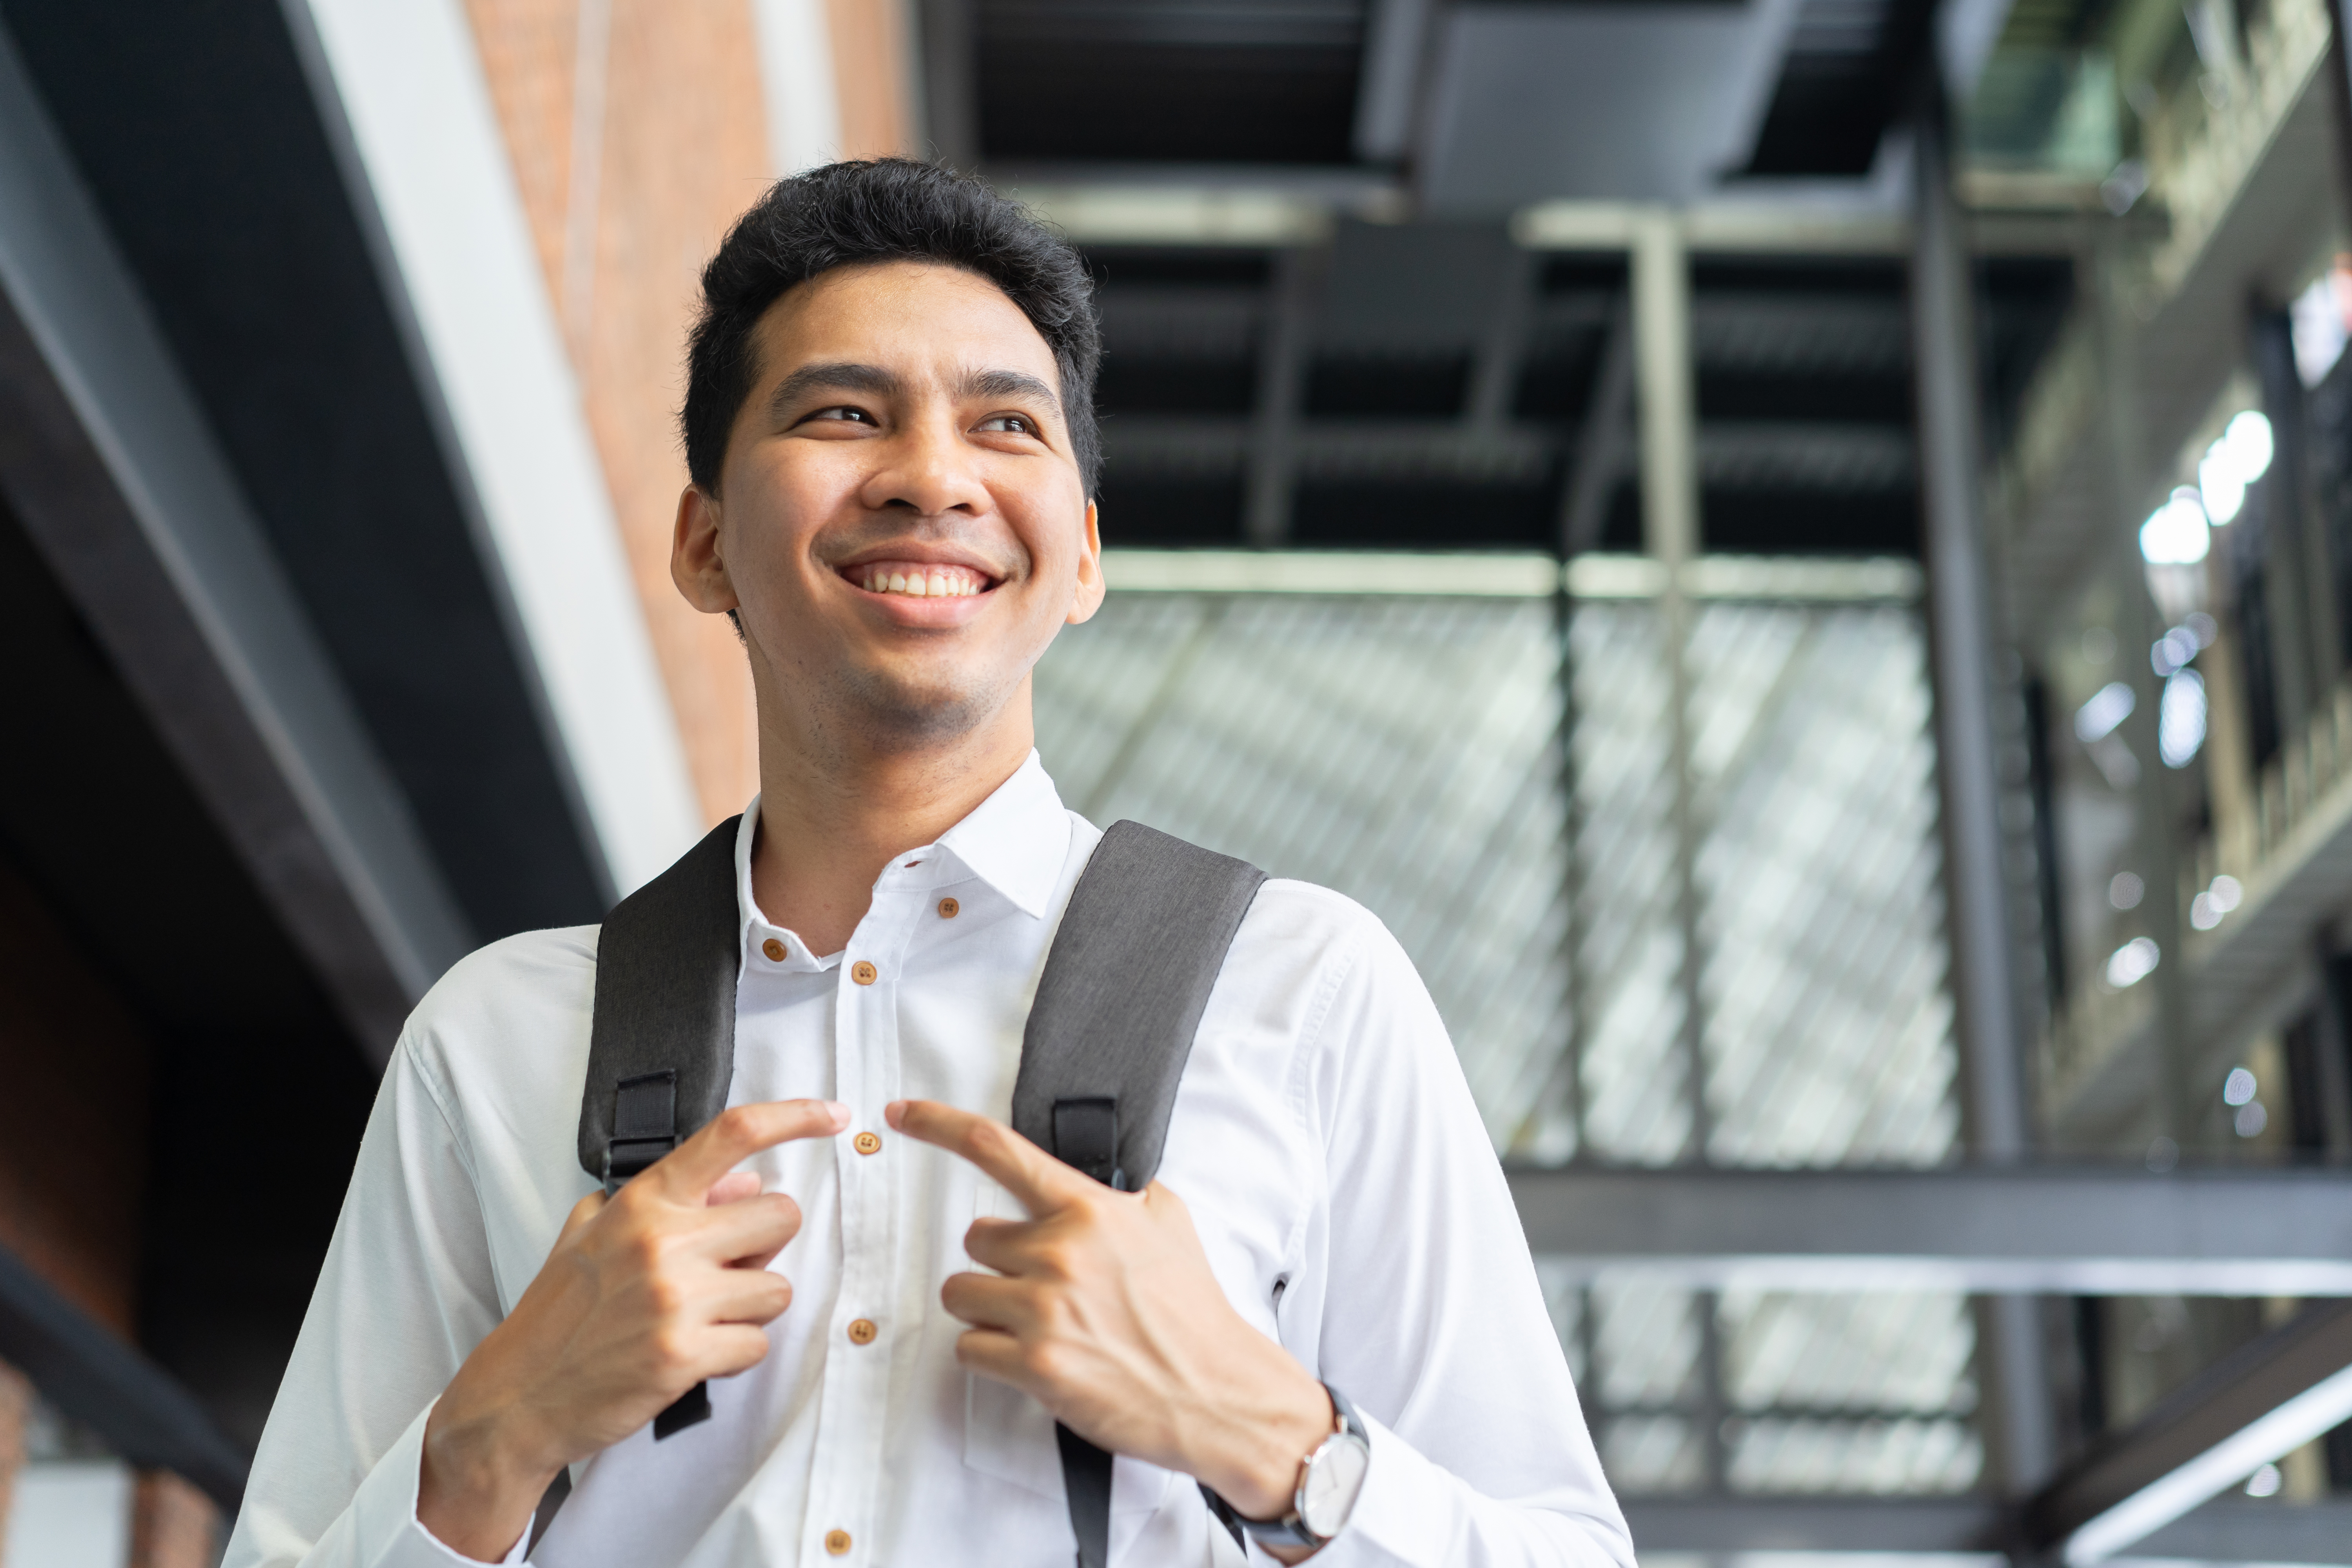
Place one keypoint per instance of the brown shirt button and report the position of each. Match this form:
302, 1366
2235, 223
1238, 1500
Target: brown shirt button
866, 1144
836, 1541
949, 909
774, 949
864, 973
862, 1331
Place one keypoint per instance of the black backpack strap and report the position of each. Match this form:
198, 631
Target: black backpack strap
661, 1047
1130, 974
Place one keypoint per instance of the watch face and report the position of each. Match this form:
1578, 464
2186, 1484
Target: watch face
1327, 1494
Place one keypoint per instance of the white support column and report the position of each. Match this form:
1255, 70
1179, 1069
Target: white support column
1662, 350
1664, 382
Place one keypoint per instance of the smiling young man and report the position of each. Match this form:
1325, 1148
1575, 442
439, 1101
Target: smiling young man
890, 433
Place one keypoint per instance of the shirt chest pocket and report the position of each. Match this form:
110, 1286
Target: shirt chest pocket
1009, 1435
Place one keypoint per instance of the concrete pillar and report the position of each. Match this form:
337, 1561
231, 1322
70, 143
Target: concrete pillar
2020, 1424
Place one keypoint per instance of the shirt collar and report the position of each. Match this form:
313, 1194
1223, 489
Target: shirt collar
1015, 841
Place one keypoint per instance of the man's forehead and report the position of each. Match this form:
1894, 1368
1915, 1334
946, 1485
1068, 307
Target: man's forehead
917, 318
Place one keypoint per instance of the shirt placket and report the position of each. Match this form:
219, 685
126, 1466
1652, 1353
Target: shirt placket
859, 1335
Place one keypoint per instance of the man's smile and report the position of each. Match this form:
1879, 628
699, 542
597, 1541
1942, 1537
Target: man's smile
918, 579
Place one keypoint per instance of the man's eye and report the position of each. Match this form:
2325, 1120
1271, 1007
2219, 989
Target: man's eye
845, 414
1011, 424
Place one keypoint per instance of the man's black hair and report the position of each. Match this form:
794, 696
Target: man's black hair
888, 209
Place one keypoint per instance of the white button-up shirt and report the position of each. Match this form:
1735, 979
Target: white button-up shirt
1323, 1139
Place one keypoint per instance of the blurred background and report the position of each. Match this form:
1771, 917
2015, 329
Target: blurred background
1798, 552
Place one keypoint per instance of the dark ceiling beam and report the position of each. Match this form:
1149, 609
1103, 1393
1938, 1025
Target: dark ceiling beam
2249, 1409
216, 150
1741, 455
144, 1413
1800, 332
1847, 74
2065, 1230
111, 466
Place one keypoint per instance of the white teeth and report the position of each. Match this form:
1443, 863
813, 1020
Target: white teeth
920, 586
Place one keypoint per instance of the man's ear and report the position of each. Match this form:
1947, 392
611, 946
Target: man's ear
1091, 588
694, 561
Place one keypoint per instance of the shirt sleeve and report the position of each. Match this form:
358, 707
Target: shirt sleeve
1430, 1318
406, 1292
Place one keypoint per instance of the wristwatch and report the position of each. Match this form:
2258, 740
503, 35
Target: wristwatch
1329, 1481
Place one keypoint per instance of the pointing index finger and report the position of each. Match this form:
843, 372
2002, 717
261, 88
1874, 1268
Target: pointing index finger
1038, 1181
738, 1133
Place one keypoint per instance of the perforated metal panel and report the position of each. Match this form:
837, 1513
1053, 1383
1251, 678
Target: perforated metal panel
1499, 781
1402, 751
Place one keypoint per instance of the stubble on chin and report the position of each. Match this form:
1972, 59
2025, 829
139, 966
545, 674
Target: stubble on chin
891, 710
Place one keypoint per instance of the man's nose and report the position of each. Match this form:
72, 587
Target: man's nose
929, 469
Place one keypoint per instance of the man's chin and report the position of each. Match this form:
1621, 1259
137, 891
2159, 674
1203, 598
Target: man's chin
921, 713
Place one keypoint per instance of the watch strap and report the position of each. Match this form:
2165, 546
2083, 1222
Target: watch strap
1290, 1530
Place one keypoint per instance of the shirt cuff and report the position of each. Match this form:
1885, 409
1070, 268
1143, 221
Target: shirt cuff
1407, 1511
384, 1511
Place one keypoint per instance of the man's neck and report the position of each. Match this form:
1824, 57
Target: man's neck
832, 818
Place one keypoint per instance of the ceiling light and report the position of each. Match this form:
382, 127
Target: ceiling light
2176, 533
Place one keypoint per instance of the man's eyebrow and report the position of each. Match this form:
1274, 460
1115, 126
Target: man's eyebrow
872, 380
1009, 383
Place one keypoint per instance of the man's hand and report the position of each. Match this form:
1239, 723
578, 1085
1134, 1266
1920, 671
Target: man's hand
1104, 1309
645, 1295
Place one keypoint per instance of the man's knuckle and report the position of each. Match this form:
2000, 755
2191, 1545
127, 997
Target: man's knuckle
665, 1298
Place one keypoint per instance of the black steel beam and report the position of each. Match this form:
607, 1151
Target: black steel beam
2227, 1530
141, 1411
2072, 1230
2201, 1438
1815, 1524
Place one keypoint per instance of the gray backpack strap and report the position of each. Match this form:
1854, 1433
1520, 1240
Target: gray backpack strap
661, 1046
1130, 974
1124, 988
